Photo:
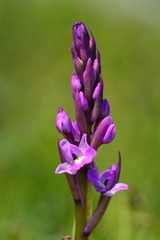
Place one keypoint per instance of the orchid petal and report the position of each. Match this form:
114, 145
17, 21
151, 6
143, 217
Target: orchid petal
104, 175
66, 150
79, 163
118, 187
75, 151
65, 168
93, 178
83, 143
86, 149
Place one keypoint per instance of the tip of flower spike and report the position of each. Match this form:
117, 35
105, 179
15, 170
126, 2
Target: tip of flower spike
80, 32
78, 29
77, 24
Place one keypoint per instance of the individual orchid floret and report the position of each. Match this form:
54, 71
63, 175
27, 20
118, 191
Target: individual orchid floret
107, 181
107, 184
76, 157
104, 133
63, 122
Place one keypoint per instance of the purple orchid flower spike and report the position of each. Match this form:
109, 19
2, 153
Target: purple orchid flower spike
107, 181
76, 157
93, 127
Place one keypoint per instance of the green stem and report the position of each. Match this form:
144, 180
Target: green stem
82, 213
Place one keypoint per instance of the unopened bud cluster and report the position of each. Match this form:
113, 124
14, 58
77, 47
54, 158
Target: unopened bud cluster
91, 110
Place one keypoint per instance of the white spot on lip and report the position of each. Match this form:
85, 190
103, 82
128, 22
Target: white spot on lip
78, 159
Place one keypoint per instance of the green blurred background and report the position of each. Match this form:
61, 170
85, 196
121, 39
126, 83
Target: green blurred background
35, 72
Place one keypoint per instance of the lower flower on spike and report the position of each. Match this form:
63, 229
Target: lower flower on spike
107, 181
76, 157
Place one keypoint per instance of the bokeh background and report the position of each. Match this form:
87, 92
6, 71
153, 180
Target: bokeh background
35, 72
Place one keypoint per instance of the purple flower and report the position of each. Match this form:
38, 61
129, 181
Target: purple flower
93, 124
107, 181
76, 157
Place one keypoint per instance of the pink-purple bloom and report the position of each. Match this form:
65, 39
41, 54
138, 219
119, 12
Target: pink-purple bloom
93, 127
76, 156
107, 181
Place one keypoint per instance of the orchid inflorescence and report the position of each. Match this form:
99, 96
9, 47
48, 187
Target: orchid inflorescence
93, 127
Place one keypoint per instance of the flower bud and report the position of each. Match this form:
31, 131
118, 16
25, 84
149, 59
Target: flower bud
84, 102
63, 122
81, 41
80, 35
105, 108
89, 78
79, 113
75, 84
92, 44
97, 97
78, 64
110, 134
97, 64
100, 135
